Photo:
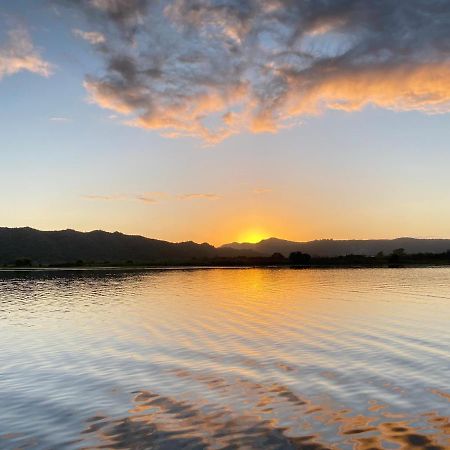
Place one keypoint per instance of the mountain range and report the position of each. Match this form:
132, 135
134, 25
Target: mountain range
331, 247
70, 246
56, 247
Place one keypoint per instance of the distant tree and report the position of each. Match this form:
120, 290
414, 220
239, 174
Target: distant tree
277, 257
394, 258
397, 255
300, 258
379, 255
23, 262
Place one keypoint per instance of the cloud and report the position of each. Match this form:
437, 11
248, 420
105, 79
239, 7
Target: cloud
93, 37
104, 197
151, 197
59, 119
146, 199
199, 197
125, 15
18, 54
213, 68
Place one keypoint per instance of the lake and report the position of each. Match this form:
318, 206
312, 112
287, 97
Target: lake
225, 359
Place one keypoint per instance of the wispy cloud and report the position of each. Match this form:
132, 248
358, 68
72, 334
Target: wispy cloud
93, 37
18, 54
213, 68
104, 197
146, 199
152, 197
59, 119
199, 196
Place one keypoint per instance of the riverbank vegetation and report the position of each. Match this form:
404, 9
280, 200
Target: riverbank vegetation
398, 258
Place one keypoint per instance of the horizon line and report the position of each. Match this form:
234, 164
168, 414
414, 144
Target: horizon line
226, 243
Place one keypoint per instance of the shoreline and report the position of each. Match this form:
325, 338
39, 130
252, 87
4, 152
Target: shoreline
160, 267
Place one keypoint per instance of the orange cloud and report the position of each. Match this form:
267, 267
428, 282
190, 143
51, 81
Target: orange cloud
146, 199
152, 197
104, 197
421, 87
110, 97
199, 197
19, 54
424, 87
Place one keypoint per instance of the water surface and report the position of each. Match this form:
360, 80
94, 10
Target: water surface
225, 359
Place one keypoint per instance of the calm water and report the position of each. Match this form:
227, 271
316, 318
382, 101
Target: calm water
225, 359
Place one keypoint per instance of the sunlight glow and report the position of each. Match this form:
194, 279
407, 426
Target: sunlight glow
253, 236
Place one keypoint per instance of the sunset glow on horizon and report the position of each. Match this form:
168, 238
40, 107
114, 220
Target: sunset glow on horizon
230, 121
252, 237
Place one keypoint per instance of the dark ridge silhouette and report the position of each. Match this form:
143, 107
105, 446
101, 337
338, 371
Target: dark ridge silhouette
24, 247
27, 247
333, 248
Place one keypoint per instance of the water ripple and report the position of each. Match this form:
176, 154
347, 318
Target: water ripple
225, 359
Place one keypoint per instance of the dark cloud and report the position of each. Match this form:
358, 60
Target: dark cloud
212, 68
125, 14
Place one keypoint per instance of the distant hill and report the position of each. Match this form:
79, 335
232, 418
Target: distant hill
69, 246
330, 247
56, 247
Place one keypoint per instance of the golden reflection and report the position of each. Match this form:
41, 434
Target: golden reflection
258, 423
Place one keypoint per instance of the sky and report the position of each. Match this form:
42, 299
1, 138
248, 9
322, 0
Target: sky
223, 120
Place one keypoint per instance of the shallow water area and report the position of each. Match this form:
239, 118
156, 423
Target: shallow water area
225, 358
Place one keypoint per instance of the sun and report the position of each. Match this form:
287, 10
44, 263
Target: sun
252, 236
